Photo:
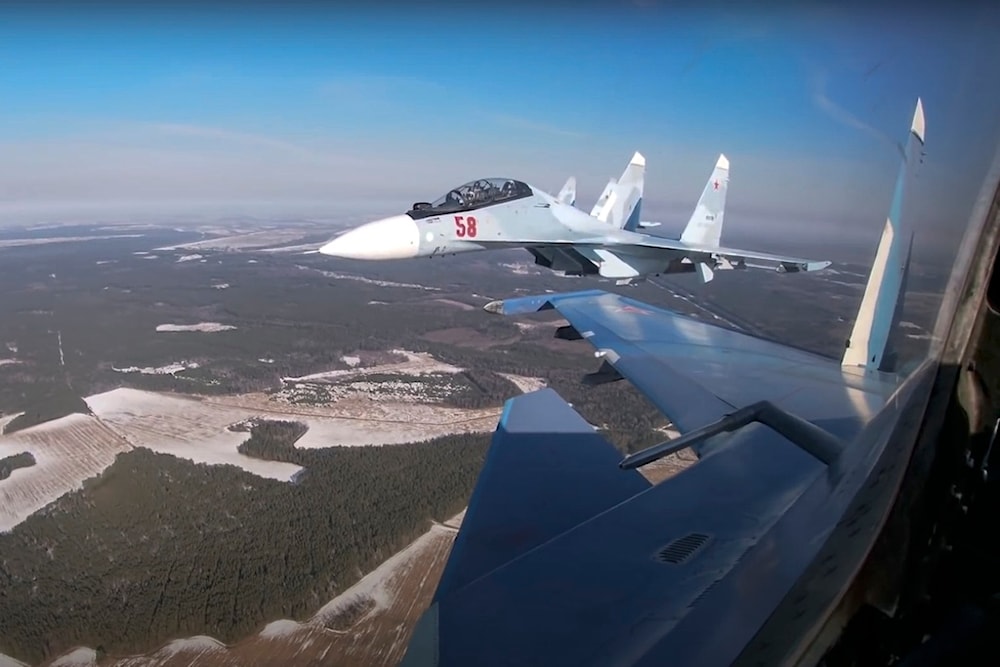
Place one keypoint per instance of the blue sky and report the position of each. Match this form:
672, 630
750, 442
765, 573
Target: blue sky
329, 110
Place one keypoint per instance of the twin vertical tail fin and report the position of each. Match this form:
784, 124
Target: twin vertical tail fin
881, 306
568, 193
705, 226
620, 203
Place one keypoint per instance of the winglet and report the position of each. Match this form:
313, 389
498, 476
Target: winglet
881, 306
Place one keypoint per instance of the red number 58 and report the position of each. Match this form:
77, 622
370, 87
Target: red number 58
465, 226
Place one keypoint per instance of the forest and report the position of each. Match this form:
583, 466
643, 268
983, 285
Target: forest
157, 547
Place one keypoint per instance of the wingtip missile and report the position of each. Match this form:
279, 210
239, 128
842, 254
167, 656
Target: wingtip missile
495, 307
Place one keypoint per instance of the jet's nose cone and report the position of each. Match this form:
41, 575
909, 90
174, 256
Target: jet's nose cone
396, 237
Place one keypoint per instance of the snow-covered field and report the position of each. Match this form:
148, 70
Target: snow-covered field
7, 661
417, 363
529, 325
67, 451
192, 645
522, 268
251, 240
378, 588
184, 427
80, 656
14, 243
359, 422
525, 384
205, 327
371, 281
169, 369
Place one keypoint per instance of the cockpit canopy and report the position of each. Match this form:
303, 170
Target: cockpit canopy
472, 195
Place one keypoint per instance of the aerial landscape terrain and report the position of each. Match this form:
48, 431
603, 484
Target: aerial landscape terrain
221, 447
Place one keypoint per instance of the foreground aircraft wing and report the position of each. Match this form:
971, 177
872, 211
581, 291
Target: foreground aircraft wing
697, 373
564, 558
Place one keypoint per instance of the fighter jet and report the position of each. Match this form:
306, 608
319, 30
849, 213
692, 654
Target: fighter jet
567, 556
494, 213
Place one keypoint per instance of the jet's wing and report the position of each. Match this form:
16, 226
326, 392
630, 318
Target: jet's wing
696, 373
699, 252
631, 254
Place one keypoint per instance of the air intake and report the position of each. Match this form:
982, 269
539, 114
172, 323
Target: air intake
682, 549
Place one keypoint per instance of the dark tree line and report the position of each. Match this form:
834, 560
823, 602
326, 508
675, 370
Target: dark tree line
52, 402
157, 547
275, 441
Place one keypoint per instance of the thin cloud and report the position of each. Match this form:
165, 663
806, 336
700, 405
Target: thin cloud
840, 114
366, 87
230, 136
528, 124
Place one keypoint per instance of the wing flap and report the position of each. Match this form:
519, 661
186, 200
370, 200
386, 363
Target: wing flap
546, 471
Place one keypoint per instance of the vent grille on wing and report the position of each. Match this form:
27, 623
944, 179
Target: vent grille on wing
682, 549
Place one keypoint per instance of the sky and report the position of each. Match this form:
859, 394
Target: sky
260, 108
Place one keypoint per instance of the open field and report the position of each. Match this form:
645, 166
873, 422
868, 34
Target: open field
76, 447
67, 451
359, 423
183, 427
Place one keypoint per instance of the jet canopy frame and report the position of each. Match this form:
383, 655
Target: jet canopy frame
473, 195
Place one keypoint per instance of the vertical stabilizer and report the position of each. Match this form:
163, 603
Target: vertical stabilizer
620, 203
705, 226
880, 309
568, 193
